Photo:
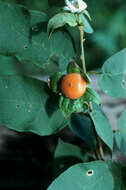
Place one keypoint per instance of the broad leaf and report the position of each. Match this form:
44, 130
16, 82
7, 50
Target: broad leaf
113, 79
65, 149
67, 155
121, 133
28, 105
10, 66
82, 126
87, 26
59, 20
102, 125
32, 4
85, 176
85, 12
119, 175
24, 35
75, 34
92, 96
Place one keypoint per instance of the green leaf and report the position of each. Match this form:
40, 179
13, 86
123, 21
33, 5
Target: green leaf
73, 68
102, 125
32, 4
68, 106
92, 96
85, 176
67, 155
113, 79
87, 26
75, 35
29, 40
66, 149
28, 105
59, 20
54, 81
119, 175
10, 65
120, 135
87, 14
82, 126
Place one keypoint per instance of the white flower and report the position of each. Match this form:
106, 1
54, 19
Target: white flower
75, 6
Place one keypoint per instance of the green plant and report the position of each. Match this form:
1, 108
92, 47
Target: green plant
36, 50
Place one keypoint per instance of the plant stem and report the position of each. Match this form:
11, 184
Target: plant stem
99, 143
100, 148
81, 30
101, 152
96, 155
90, 106
94, 73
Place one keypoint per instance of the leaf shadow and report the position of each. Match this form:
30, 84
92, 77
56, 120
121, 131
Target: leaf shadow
51, 105
36, 29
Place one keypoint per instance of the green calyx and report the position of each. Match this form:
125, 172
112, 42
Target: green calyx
54, 81
79, 105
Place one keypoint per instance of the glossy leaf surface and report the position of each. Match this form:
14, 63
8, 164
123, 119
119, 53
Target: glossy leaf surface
86, 176
102, 125
120, 135
28, 105
113, 79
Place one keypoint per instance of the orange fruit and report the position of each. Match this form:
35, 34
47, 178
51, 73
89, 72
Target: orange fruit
73, 85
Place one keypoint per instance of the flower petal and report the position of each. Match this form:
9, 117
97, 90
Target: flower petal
82, 5
66, 8
71, 6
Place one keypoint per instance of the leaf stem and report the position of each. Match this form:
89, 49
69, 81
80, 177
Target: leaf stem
101, 152
94, 73
100, 148
81, 30
96, 155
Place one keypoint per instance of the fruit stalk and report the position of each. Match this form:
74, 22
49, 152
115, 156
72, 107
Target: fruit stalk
81, 30
101, 152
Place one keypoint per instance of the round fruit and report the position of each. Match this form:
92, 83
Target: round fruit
73, 85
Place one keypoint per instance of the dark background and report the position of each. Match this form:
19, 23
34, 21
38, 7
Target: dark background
26, 159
